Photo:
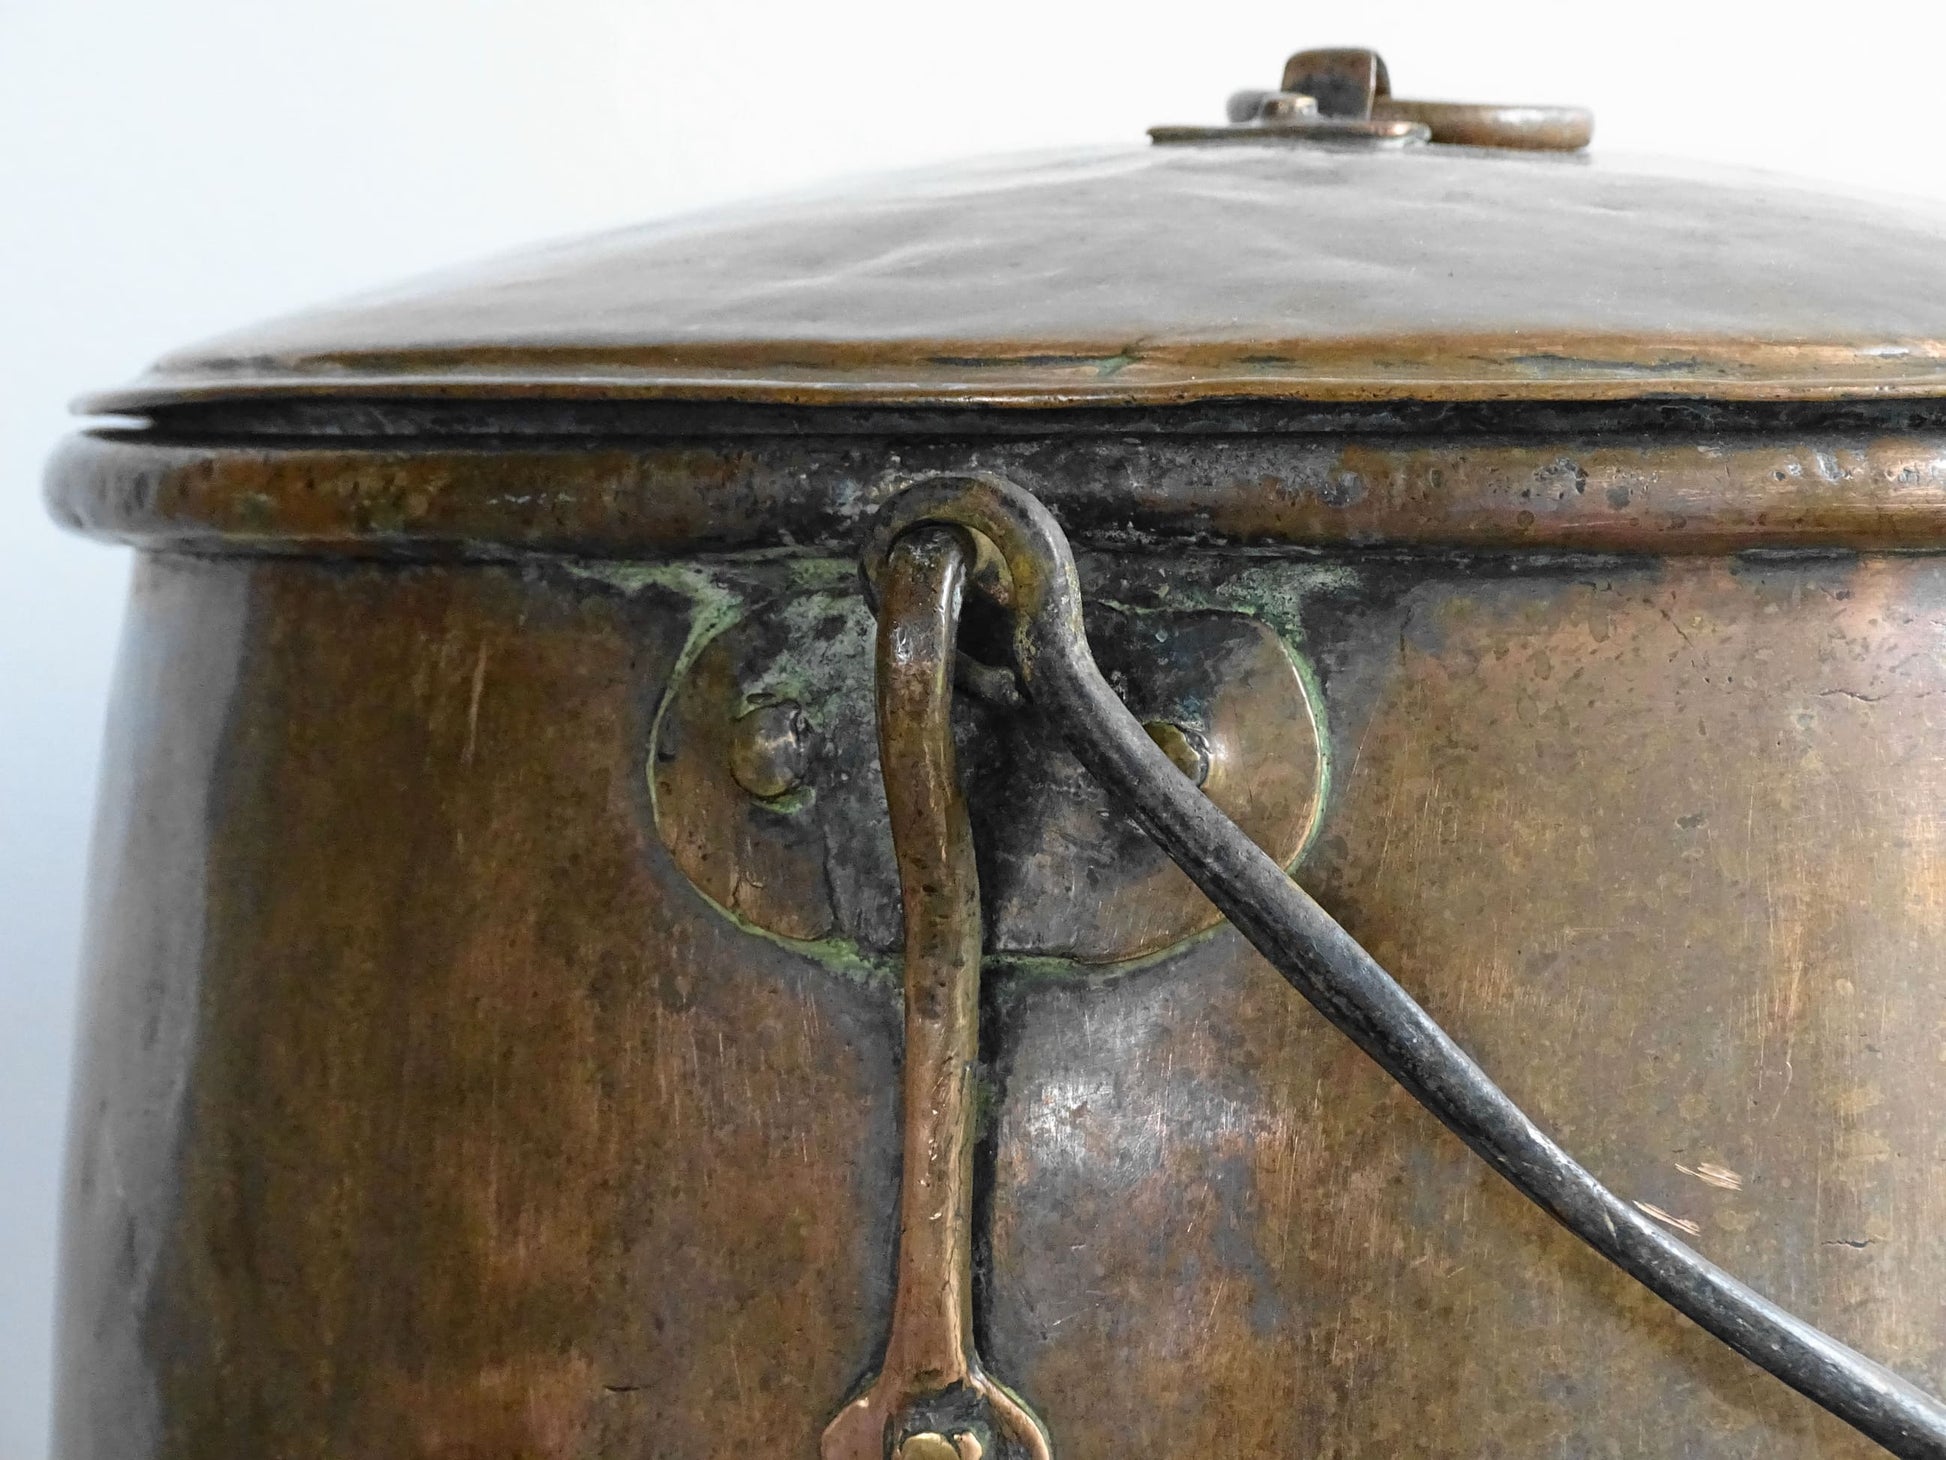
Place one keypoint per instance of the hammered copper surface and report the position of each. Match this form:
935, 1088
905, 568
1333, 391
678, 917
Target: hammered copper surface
1162, 274
1661, 845
426, 1110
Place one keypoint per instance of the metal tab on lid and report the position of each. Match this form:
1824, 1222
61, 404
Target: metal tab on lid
1345, 95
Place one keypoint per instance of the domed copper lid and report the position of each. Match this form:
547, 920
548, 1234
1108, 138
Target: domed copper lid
1340, 255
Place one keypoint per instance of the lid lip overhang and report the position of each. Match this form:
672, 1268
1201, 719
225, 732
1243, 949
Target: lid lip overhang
136, 401
1526, 371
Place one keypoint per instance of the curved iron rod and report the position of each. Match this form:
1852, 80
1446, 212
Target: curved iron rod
1326, 965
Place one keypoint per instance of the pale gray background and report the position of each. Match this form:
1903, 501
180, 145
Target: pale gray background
169, 168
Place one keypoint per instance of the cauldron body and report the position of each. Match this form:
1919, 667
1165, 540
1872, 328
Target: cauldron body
429, 1107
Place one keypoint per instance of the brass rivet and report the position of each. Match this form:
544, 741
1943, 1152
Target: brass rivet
929, 1446
768, 751
1281, 106
1186, 748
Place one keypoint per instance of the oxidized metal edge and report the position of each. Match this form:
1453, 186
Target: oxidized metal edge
1850, 487
768, 793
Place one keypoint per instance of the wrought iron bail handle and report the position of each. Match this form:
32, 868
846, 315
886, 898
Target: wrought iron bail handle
1035, 580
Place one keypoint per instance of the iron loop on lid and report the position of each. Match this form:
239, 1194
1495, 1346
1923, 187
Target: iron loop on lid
1345, 94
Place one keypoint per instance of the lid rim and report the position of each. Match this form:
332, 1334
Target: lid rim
1541, 371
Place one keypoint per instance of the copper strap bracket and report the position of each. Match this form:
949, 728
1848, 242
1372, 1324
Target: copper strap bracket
932, 1399
768, 792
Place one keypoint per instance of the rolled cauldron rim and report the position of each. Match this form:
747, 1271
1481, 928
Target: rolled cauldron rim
1651, 477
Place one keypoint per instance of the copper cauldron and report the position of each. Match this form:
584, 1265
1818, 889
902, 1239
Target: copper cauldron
579, 969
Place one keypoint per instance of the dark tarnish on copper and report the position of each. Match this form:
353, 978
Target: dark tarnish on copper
1623, 482
492, 1040
1345, 984
930, 1389
424, 1104
796, 841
